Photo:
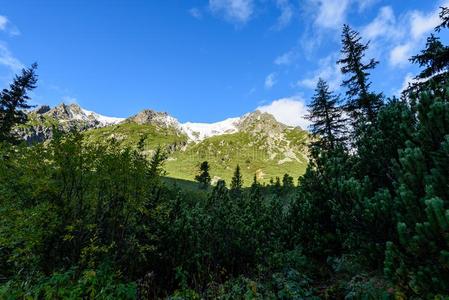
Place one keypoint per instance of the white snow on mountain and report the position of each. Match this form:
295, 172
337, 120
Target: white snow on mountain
200, 131
104, 120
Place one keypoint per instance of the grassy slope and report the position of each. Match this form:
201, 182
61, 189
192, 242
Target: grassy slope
129, 135
35, 120
226, 151
222, 152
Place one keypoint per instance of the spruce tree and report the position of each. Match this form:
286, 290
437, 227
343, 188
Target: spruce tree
362, 104
328, 124
287, 182
237, 181
14, 101
444, 17
203, 177
434, 58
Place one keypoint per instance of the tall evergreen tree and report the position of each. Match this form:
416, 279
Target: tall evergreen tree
361, 102
14, 100
203, 177
328, 124
287, 182
237, 181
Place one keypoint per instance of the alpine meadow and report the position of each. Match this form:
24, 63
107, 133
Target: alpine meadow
343, 195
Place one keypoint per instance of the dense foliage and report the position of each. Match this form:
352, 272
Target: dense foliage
368, 220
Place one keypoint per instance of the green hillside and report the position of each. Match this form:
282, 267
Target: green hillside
255, 153
224, 152
129, 135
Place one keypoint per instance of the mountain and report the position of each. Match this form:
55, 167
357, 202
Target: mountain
256, 141
65, 117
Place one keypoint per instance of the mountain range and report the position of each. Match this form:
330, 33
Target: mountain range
262, 146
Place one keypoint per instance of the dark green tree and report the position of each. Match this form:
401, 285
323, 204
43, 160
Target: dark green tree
361, 104
203, 177
418, 261
14, 101
444, 17
328, 124
237, 181
434, 59
287, 182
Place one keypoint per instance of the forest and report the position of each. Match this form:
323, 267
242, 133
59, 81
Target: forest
369, 219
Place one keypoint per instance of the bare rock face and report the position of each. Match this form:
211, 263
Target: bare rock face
44, 120
42, 109
261, 123
73, 115
151, 117
35, 134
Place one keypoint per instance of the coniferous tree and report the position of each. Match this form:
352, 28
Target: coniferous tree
237, 181
203, 177
14, 100
287, 181
418, 261
362, 104
328, 124
157, 162
444, 17
434, 58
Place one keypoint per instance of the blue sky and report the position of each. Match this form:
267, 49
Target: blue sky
203, 60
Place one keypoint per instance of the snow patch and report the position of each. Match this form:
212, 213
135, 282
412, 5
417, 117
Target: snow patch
200, 131
104, 120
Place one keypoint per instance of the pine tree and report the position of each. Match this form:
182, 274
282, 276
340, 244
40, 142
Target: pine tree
14, 100
237, 181
287, 182
328, 124
418, 261
157, 162
361, 102
203, 177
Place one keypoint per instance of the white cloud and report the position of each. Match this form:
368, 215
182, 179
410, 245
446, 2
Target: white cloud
383, 26
8, 60
286, 13
410, 32
196, 13
3, 22
236, 11
270, 80
7, 26
286, 58
421, 24
331, 13
409, 78
365, 4
290, 111
400, 54
328, 70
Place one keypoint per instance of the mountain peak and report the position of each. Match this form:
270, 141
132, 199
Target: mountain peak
260, 122
151, 117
